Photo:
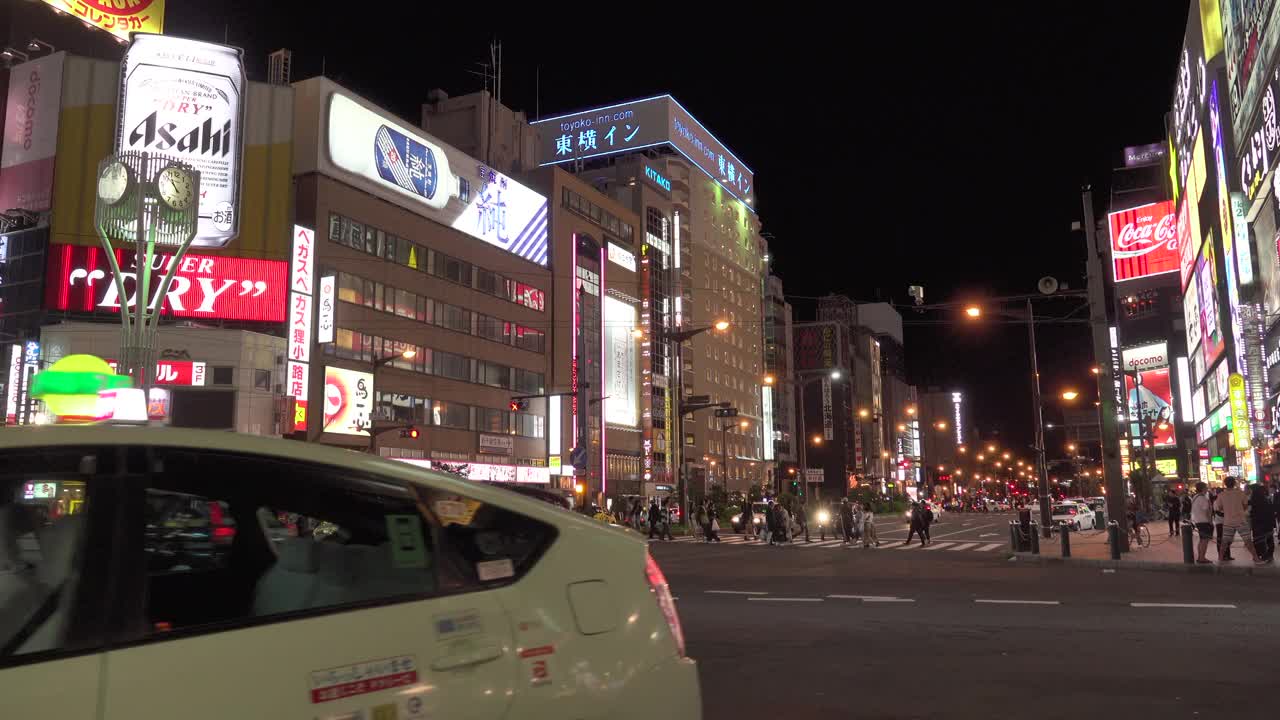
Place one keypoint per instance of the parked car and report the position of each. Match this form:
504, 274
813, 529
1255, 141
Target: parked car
276, 578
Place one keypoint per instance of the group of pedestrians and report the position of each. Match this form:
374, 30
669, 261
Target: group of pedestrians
921, 520
707, 520
1228, 513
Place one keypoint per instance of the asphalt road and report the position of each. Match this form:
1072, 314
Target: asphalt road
798, 632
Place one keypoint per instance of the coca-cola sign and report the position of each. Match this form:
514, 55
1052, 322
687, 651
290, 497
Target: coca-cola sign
1144, 241
206, 287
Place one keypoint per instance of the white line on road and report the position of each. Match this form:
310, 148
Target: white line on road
906, 546
1018, 602
988, 535
862, 597
775, 599
932, 546
889, 600
735, 592
963, 546
965, 530
1205, 606
990, 547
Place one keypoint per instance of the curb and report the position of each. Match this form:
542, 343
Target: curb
1149, 566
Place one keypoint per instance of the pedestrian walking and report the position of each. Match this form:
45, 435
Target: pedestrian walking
803, 518
655, 518
869, 538
846, 521
1262, 519
1217, 527
1202, 519
1174, 507
770, 522
1234, 506
926, 520
857, 522
915, 528
781, 524
715, 522
704, 523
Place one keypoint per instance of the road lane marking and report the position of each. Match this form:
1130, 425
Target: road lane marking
906, 546
989, 548
991, 601
778, 599
963, 546
988, 535
889, 600
932, 546
735, 592
1202, 606
966, 530
862, 597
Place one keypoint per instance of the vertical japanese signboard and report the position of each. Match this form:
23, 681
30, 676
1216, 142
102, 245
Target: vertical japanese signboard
326, 305
15, 384
302, 275
1239, 412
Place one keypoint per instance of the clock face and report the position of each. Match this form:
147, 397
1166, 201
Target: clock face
113, 183
176, 188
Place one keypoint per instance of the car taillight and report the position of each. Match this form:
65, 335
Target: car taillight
662, 592
222, 531
1073, 511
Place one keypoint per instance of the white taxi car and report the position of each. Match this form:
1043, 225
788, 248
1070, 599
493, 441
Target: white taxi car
147, 572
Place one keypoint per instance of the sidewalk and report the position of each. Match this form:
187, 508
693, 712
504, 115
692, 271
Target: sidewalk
1090, 548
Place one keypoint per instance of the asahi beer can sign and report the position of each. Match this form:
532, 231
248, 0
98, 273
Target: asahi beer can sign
185, 98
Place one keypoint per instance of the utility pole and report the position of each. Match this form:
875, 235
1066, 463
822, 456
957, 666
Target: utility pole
1113, 479
1042, 472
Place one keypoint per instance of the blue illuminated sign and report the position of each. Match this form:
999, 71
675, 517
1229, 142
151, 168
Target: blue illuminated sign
639, 124
656, 177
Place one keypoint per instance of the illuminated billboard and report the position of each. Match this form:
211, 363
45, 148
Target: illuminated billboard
817, 346
1154, 395
204, 286
1144, 241
1146, 357
348, 401
118, 17
620, 369
31, 134
1212, 338
392, 160
185, 98
639, 124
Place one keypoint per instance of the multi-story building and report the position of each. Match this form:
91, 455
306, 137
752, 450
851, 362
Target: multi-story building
441, 314
695, 200
942, 415
779, 396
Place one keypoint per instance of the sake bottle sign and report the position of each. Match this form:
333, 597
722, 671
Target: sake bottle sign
185, 98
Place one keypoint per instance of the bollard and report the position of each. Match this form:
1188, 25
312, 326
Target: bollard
1066, 540
1113, 536
1014, 545
1035, 539
1188, 555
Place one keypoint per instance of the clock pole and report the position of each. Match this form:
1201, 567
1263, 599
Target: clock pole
151, 201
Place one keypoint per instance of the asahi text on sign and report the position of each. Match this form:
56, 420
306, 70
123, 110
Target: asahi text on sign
185, 98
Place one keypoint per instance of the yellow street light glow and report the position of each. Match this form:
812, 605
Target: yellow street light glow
1005, 456
864, 413
973, 311
637, 333
911, 410
769, 380
902, 427
722, 325
1070, 395
941, 425
744, 424
991, 448
817, 439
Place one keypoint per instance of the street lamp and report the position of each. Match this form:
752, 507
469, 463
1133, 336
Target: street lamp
973, 311
817, 439
1070, 395
941, 425
679, 338
911, 410
407, 355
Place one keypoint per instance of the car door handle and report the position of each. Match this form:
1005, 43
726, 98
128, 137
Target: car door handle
475, 656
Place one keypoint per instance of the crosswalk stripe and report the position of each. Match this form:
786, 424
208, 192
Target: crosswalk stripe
963, 546
938, 546
906, 547
989, 548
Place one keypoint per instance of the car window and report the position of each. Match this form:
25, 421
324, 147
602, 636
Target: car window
44, 499
231, 539
482, 544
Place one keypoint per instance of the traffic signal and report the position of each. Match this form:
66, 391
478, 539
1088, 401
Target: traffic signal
518, 404
410, 432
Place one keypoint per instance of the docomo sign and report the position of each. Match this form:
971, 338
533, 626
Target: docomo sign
1144, 241
1147, 357
206, 287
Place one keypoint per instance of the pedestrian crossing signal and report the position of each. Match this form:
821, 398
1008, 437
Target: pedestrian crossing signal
518, 404
409, 432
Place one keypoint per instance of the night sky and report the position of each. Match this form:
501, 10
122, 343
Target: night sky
929, 145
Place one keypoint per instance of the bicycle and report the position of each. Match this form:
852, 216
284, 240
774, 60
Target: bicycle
1140, 535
